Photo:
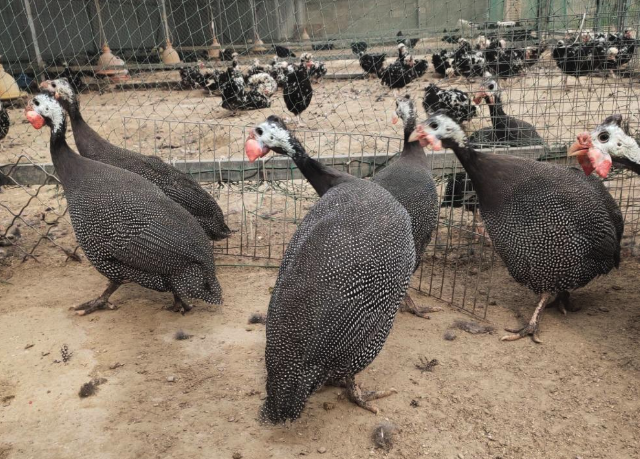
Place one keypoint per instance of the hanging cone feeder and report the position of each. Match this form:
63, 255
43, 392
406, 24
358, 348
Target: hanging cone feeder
8, 86
106, 64
304, 36
258, 45
214, 51
170, 55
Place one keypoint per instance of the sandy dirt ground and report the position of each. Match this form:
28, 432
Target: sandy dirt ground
575, 396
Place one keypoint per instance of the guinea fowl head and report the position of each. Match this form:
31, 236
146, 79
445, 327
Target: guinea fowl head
488, 91
306, 60
405, 110
61, 90
44, 109
607, 143
272, 135
439, 131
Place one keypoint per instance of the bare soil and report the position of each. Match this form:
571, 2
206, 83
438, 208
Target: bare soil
575, 396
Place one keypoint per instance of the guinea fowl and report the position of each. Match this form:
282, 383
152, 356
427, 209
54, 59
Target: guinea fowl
555, 228
457, 103
344, 273
607, 145
4, 122
297, 89
505, 130
127, 227
177, 185
409, 180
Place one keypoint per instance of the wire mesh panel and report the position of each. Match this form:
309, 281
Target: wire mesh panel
561, 67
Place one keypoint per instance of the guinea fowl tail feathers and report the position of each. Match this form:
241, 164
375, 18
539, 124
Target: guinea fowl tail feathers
288, 391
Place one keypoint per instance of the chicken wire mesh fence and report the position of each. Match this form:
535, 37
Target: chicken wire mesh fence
537, 49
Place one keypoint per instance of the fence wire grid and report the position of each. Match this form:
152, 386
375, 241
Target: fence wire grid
152, 110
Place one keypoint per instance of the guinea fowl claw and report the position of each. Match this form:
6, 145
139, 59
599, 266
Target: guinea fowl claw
94, 305
362, 398
409, 306
516, 334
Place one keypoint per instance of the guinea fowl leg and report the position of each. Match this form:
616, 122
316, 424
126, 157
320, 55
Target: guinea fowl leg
408, 305
101, 302
180, 306
362, 398
532, 327
299, 121
563, 302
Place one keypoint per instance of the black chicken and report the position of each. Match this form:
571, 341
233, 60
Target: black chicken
359, 47
283, 52
297, 89
4, 122
408, 42
580, 58
372, 63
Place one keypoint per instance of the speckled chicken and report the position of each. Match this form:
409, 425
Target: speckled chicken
177, 185
555, 228
127, 227
409, 180
4, 122
456, 102
345, 271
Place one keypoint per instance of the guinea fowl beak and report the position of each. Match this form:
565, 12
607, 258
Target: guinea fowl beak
425, 139
394, 119
477, 99
590, 158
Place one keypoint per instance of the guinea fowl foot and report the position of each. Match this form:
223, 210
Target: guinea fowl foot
362, 398
563, 302
180, 306
408, 305
102, 302
532, 328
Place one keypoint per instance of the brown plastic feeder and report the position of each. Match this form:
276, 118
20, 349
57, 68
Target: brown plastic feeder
106, 64
8, 87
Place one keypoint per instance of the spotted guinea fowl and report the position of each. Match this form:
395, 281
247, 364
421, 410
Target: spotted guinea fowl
4, 122
505, 130
177, 185
127, 227
608, 144
409, 180
345, 271
457, 103
555, 228
297, 91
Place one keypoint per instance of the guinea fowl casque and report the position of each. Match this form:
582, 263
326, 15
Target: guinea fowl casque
127, 227
505, 130
555, 228
344, 273
409, 180
607, 145
177, 185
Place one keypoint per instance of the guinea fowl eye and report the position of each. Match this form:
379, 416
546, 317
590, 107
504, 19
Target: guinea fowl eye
259, 131
491, 87
603, 137
53, 85
36, 102
433, 125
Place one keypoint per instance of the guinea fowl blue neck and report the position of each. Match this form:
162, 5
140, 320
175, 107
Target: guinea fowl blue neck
321, 177
63, 157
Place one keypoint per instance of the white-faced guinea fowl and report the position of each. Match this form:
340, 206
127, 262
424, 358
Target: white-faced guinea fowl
180, 187
505, 130
372, 64
127, 227
409, 180
297, 91
4, 122
607, 145
554, 227
344, 273
456, 102
283, 52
